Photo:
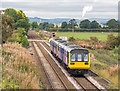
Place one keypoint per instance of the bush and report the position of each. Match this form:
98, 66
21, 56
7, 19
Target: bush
111, 41
94, 40
25, 42
36, 29
19, 37
71, 39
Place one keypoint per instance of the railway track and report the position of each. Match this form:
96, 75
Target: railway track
66, 84
44, 71
81, 80
85, 84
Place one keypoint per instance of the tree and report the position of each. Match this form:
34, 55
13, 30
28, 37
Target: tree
12, 13
15, 14
85, 24
22, 23
112, 24
7, 27
44, 25
34, 25
72, 23
20, 15
94, 24
56, 26
41, 26
50, 25
64, 24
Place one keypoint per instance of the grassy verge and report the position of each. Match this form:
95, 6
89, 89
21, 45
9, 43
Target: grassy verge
105, 63
19, 71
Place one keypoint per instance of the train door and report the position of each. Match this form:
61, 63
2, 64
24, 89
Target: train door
68, 58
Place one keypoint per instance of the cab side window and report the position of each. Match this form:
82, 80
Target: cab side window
72, 57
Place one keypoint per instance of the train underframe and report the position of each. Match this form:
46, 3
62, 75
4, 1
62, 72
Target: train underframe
71, 71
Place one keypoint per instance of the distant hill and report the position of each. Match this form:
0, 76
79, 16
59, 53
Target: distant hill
60, 20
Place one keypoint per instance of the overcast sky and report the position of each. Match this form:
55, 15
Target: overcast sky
65, 8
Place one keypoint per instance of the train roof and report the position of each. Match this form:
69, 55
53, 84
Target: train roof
58, 39
67, 45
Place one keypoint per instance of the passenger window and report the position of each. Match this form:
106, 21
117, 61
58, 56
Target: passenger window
85, 57
79, 57
72, 57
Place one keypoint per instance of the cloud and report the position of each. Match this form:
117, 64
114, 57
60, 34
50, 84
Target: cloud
64, 8
86, 9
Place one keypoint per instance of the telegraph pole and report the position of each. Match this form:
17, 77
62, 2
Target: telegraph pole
72, 28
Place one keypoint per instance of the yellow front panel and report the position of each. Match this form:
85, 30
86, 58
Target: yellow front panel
79, 65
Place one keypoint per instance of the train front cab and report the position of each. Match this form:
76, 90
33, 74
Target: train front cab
79, 61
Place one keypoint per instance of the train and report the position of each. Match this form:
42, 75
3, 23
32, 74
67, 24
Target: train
75, 58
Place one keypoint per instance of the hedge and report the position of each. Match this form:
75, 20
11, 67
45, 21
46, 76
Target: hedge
82, 30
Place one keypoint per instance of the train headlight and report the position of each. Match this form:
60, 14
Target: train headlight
86, 57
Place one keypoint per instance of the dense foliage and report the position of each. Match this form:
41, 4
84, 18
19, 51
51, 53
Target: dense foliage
7, 27
64, 24
112, 24
19, 36
113, 41
12, 21
45, 25
34, 25
85, 24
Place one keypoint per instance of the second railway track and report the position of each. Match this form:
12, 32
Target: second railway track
66, 83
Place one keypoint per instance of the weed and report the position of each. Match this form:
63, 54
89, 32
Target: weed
19, 68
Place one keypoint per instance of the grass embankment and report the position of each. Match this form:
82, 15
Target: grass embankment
19, 71
85, 35
105, 63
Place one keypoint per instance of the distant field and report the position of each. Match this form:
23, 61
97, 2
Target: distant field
86, 36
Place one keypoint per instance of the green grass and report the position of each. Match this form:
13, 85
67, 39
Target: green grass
106, 64
85, 36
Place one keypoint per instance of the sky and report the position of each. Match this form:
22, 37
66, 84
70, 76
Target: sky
78, 9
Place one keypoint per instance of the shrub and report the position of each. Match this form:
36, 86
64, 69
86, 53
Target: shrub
111, 41
93, 40
36, 29
25, 42
19, 37
71, 39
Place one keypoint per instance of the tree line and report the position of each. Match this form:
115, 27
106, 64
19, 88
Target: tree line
84, 26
